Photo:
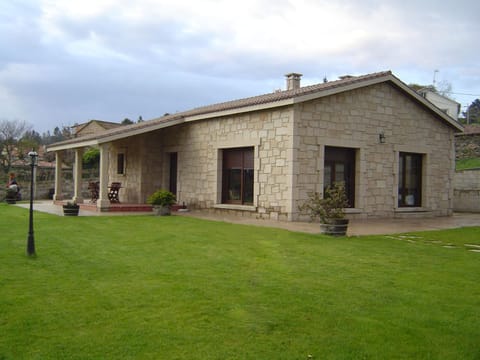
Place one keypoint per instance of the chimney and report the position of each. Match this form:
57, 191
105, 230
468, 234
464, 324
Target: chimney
293, 81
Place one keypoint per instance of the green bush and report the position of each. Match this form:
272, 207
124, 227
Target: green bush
331, 206
162, 198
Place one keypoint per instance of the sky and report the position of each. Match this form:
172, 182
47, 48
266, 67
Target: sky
64, 62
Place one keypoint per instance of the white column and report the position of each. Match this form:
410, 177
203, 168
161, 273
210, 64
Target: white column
103, 202
77, 176
58, 176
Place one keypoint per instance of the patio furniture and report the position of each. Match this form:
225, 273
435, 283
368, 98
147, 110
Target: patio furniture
93, 188
113, 192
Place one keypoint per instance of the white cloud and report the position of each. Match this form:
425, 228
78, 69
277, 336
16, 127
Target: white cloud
104, 58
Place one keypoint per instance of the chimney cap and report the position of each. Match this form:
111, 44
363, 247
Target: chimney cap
293, 81
293, 75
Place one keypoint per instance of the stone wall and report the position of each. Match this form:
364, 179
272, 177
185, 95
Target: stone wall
199, 146
45, 182
355, 119
467, 190
467, 182
467, 146
289, 144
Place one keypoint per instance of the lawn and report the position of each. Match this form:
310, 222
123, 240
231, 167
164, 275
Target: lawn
469, 163
150, 287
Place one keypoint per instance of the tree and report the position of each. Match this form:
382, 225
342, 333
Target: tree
127, 121
443, 88
10, 134
472, 114
91, 158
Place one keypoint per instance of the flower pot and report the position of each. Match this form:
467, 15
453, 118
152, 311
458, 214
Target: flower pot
71, 210
161, 210
334, 227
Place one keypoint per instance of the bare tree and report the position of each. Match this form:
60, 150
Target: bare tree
11, 131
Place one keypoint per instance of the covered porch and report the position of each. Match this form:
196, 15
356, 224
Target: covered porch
104, 194
136, 157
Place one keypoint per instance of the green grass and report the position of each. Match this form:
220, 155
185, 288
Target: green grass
470, 163
183, 288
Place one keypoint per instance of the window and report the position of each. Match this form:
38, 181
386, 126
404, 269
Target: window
237, 172
340, 167
121, 163
173, 173
410, 180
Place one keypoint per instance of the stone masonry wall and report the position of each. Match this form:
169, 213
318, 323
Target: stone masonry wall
467, 182
467, 190
199, 146
355, 119
467, 146
288, 167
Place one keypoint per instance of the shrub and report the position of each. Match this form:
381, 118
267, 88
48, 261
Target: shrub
162, 198
331, 206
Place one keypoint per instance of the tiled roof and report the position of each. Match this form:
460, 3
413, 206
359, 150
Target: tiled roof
242, 105
283, 95
229, 105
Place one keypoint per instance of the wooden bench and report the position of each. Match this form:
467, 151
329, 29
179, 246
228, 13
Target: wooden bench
113, 192
93, 187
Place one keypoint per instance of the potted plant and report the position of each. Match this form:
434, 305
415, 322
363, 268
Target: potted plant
71, 208
330, 209
162, 200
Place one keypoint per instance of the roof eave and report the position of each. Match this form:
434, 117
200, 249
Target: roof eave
80, 144
447, 118
241, 110
112, 137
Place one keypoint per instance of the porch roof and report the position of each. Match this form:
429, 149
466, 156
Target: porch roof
261, 102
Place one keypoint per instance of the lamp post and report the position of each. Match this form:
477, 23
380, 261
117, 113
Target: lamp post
31, 240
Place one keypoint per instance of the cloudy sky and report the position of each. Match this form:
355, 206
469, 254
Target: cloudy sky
67, 61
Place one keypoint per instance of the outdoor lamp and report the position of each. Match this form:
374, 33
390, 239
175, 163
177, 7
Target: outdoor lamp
31, 240
381, 138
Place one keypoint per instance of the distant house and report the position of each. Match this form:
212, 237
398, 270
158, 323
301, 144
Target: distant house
449, 106
93, 127
262, 155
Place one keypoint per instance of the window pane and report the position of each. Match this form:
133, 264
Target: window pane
340, 173
410, 180
339, 166
238, 176
248, 186
327, 176
120, 163
234, 179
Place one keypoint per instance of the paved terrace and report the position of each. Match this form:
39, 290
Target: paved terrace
356, 227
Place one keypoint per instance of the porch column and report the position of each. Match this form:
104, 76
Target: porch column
77, 176
103, 202
58, 176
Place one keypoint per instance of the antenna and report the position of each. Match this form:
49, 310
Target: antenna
434, 76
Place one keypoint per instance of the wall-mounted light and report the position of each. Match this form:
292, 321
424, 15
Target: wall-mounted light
381, 138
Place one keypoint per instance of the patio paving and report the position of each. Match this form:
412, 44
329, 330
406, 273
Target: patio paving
356, 227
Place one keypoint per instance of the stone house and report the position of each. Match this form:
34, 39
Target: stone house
447, 105
93, 127
261, 156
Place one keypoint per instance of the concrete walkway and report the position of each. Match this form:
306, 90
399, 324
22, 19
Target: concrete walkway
356, 227
359, 227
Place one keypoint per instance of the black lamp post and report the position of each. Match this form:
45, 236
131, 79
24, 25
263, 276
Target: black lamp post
31, 240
